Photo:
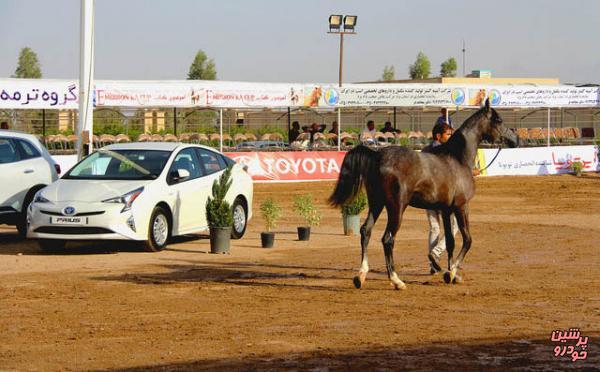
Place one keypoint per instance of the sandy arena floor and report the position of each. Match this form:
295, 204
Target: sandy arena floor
534, 267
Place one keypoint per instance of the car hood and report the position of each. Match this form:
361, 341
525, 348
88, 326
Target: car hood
65, 190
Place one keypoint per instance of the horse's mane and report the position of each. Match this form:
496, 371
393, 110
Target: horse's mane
455, 146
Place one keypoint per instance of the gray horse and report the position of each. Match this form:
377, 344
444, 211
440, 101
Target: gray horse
396, 177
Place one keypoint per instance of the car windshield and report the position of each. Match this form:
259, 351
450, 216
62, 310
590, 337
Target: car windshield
120, 165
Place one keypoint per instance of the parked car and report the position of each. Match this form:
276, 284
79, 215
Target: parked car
249, 145
137, 191
25, 168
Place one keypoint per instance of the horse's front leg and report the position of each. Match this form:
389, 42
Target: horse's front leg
462, 219
449, 237
365, 236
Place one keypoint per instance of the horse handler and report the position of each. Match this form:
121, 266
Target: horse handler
437, 243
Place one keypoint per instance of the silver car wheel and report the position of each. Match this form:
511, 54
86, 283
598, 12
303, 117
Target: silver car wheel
160, 229
239, 218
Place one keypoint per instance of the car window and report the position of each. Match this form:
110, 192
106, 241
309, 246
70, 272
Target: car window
188, 160
28, 151
228, 162
8, 151
211, 161
120, 165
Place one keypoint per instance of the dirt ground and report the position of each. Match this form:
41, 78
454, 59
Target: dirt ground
534, 267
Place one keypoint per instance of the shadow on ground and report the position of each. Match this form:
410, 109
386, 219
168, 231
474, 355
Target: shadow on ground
523, 354
259, 275
11, 243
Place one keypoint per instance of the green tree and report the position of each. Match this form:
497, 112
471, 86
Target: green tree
202, 68
448, 68
28, 66
421, 68
388, 73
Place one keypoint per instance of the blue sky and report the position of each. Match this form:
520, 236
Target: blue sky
287, 41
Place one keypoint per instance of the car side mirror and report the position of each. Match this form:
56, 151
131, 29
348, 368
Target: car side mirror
180, 175
183, 174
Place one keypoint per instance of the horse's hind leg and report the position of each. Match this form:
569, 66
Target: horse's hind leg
394, 213
365, 235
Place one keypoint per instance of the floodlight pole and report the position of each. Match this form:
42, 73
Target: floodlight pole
85, 120
341, 69
341, 58
339, 133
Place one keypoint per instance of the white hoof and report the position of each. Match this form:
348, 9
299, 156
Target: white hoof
397, 283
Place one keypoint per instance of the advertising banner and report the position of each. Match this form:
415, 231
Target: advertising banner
401, 95
415, 95
538, 160
63, 94
299, 166
38, 94
291, 166
197, 94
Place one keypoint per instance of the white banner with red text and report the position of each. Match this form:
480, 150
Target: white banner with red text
532, 161
291, 166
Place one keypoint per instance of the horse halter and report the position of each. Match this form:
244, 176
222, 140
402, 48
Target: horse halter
498, 152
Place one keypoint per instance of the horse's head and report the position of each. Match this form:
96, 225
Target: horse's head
493, 130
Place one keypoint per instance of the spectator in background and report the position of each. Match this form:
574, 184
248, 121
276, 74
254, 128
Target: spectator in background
316, 128
334, 128
367, 134
294, 132
387, 127
444, 118
4, 125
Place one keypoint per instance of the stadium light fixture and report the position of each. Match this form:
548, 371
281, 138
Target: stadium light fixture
350, 23
335, 22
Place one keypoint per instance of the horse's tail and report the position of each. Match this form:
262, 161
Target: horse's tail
360, 164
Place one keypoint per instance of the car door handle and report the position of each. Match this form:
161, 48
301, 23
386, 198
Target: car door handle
28, 171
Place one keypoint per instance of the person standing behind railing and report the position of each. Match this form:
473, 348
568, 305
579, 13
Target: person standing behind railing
444, 118
366, 136
294, 132
387, 127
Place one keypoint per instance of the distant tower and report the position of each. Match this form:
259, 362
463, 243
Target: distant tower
463, 51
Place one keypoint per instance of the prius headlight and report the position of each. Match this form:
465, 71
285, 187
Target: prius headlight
126, 199
38, 198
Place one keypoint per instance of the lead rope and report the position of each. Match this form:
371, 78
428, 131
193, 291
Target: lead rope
497, 153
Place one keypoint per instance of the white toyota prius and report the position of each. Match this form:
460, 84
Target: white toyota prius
137, 191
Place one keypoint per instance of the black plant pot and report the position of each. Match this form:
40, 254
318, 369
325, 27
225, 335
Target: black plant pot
220, 238
303, 233
267, 239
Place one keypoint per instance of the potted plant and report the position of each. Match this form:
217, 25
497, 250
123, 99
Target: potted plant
351, 213
219, 214
271, 212
303, 204
577, 168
